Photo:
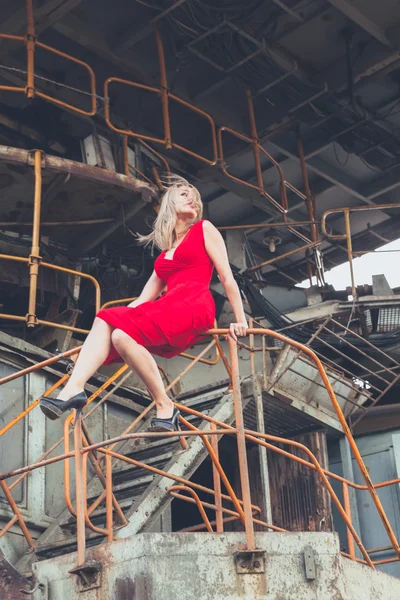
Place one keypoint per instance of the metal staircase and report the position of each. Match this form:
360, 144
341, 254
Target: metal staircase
141, 494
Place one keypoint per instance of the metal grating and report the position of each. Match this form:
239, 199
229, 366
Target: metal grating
388, 319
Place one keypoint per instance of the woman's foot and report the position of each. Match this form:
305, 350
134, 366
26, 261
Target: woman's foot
166, 424
53, 408
165, 408
69, 391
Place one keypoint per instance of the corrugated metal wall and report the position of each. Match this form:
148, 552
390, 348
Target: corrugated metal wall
300, 501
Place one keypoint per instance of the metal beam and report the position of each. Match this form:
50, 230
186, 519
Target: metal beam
45, 17
77, 31
289, 10
129, 39
373, 61
240, 190
355, 14
323, 169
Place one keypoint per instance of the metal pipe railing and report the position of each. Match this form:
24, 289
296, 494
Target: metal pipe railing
31, 42
166, 96
347, 235
33, 288
244, 509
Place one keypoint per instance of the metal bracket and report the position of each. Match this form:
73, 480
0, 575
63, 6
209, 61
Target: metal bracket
42, 587
250, 562
89, 575
309, 563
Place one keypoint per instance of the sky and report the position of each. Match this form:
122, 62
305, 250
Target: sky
385, 260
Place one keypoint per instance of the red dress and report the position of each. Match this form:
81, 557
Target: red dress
169, 325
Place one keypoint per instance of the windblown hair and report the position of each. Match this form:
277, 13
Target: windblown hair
163, 234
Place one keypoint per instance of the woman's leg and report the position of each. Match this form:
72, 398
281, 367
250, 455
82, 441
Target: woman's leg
94, 352
141, 361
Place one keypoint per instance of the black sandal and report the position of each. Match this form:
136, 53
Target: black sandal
53, 408
171, 424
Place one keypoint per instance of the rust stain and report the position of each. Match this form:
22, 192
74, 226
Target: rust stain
300, 500
11, 581
56, 163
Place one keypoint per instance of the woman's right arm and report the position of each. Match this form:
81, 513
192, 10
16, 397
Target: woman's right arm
151, 290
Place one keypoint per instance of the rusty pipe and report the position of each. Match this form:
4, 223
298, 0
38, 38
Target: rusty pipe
217, 484
347, 508
163, 89
80, 489
267, 225
56, 223
35, 258
255, 142
184, 488
30, 50
309, 199
285, 255
350, 251
241, 444
109, 499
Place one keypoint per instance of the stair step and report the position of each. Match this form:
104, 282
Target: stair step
45, 551
142, 448
131, 473
126, 491
98, 517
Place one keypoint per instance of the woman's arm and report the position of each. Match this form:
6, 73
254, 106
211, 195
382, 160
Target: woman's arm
216, 250
151, 290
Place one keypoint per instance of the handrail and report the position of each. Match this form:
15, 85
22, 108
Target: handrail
172, 491
347, 235
31, 41
244, 509
33, 319
165, 141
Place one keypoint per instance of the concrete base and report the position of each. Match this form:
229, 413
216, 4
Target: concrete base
200, 566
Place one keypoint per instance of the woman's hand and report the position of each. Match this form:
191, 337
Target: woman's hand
238, 329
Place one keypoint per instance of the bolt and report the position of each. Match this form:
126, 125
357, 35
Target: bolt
257, 564
244, 565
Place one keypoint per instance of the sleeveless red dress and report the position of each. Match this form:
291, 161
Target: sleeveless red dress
169, 325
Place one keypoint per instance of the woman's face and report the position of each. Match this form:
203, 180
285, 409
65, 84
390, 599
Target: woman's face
186, 202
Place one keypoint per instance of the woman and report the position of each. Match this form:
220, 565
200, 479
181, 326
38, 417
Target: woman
166, 326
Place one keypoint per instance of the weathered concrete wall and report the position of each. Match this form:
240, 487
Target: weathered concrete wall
201, 566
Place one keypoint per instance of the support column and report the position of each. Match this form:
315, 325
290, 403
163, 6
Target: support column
263, 456
348, 473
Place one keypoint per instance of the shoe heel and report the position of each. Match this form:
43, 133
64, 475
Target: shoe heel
50, 411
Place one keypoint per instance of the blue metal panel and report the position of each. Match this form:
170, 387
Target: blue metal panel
381, 454
12, 443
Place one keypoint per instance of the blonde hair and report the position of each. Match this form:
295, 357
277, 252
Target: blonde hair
163, 234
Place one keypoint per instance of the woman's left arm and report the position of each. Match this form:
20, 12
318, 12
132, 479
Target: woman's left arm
216, 250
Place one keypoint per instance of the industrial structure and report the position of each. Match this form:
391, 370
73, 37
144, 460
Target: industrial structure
284, 482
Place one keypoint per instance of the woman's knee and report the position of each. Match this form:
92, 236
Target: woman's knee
119, 338
101, 323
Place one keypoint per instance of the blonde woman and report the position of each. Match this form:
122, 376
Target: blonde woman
167, 324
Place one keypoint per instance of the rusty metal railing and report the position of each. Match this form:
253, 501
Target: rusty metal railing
244, 510
347, 235
35, 262
31, 41
217, 152
372, 382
